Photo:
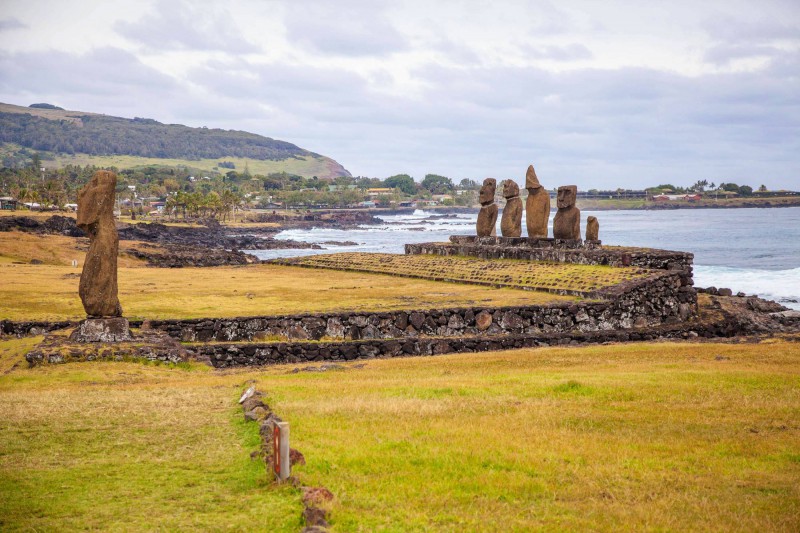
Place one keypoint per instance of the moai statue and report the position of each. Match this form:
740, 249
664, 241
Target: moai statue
592, 229
487, 216
537, 206
511, 223
567, 222
98, 285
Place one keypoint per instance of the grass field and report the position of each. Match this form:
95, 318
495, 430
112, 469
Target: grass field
49, 291
666, 437
497, 272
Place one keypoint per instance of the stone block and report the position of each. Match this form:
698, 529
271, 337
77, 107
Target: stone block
114, 329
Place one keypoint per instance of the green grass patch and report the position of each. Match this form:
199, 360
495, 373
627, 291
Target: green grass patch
634, 437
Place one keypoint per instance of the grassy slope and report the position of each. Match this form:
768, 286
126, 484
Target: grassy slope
638, 437
307, 166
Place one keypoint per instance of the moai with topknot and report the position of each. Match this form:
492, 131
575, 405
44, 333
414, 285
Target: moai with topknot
537, 206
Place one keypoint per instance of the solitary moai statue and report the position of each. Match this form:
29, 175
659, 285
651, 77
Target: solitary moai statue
98, 285
537, 206
567, 222
592, 229
511, 223
487, 216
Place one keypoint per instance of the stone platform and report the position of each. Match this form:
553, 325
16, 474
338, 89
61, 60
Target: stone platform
109, 329
561, 251
152, 345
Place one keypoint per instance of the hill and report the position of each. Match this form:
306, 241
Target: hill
92, 138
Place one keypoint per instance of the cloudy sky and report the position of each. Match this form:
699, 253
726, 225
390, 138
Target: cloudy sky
600, 94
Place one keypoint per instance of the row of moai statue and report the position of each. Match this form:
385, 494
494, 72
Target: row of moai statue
566, 224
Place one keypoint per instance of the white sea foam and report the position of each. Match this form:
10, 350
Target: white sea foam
780, 285
760, 245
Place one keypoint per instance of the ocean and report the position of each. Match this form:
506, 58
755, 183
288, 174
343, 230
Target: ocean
755, 251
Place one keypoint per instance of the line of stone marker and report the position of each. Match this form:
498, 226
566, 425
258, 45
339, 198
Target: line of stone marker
280, 451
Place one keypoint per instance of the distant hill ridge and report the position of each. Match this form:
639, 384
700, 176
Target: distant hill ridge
49, 128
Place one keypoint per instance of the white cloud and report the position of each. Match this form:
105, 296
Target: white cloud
599, 95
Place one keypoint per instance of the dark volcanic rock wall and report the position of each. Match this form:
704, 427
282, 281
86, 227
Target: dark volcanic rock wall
658, 300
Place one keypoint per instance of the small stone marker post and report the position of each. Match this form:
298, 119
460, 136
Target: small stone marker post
280, 451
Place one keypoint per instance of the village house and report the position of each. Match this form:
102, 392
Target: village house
673, 197
8, 204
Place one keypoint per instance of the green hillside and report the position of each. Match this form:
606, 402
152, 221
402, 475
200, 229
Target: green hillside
63, 136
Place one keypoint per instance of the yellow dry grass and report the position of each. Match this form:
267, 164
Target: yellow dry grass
49, 291
45, 292
538, 275
22, 247
680, 437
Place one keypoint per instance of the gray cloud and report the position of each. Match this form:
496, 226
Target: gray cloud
11, 23
753, 29
185, 26
466, 114
570, 52
340, 28
597, 128
724, 54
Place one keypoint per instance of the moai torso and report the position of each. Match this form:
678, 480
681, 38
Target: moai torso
487, 216
537, 206
511, 223
592, 229
567, 222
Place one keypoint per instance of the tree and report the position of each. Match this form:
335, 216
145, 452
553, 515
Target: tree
468, 184
36, 163
745, 190
730, 187
171, 185
763, 188
404, 182
437, 184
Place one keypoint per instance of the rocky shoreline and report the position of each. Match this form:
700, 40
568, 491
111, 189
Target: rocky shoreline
212, 244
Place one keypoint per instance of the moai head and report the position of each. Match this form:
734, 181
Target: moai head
531, 180
567, 195
510, 189
487, 191
96, 199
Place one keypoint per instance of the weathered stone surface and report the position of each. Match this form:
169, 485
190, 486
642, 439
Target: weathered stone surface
483, 320
98, 286
296, 458
112, 329
592, 229
511, 223
487, 216
537, 206
567, 222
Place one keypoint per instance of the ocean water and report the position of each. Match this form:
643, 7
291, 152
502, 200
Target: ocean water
756, 251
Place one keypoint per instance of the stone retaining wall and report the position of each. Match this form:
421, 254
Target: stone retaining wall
560, 251
31, 328
257, 354
654, 301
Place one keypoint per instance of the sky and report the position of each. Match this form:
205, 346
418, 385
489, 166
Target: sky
598, 94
